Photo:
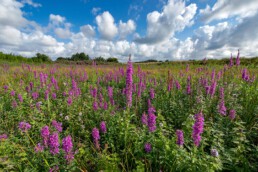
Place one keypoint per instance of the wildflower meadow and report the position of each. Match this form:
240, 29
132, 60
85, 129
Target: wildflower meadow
129, 117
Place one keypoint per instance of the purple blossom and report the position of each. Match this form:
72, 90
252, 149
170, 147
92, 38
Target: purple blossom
95, 134
152, 93
96, 137
38, 148
24, 126
57, 125
221, 93
213, 88
222, 108
198, 128
12, 93
45, 135
238, 59
180, 137
144, 119
20, 98
103, 127
67, 144
95, 106
14, 104
129, 83
152, 122
3, 136
232, 114
35, 95
54, 96
147, 147
178, 86
54, 143
69, 101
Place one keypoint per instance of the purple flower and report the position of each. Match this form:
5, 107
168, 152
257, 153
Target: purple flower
222, 108
12, 93
54, 143
221, 93
45, 135
129, 82
232, 114
35, 95
38, 104
103, 127
69, 101
67, 144
213, 88
54, 96
57, 125
24, 126
198, 128
147, 147
238, 59
69, 157
20, 98
95, 106
3, 136
178, 86
144, 119
39, 148
96, 137
152, 122
152, 93
14, 104
180, 137
95, 134
214, 152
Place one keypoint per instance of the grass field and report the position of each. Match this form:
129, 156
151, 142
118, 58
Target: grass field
134, 117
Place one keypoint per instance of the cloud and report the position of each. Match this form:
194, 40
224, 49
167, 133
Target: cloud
11, 14
30, 2
224, 9
126, 28
174, 17
106, 26
62, 33
95, 10
56, 19
88, 31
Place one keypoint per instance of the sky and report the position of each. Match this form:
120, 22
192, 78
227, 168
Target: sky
147, 29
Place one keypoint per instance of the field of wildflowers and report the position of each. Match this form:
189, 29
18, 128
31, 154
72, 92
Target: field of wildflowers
128, 117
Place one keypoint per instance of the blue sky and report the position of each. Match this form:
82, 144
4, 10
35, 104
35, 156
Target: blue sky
147, 29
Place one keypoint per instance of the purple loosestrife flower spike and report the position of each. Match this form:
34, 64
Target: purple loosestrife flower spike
57, 125
96, 137
45, 135
212, 89
232, 114
54, 143
3, 136
103, 127
144, 119
24, 126
38, 148
180, 137
12, 93
147, 147
152, 93
129, 82
238, 59
222, 108
198, 128
20, 98
152, 122
67, 144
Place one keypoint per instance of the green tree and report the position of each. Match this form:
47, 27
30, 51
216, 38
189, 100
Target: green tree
112, 59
